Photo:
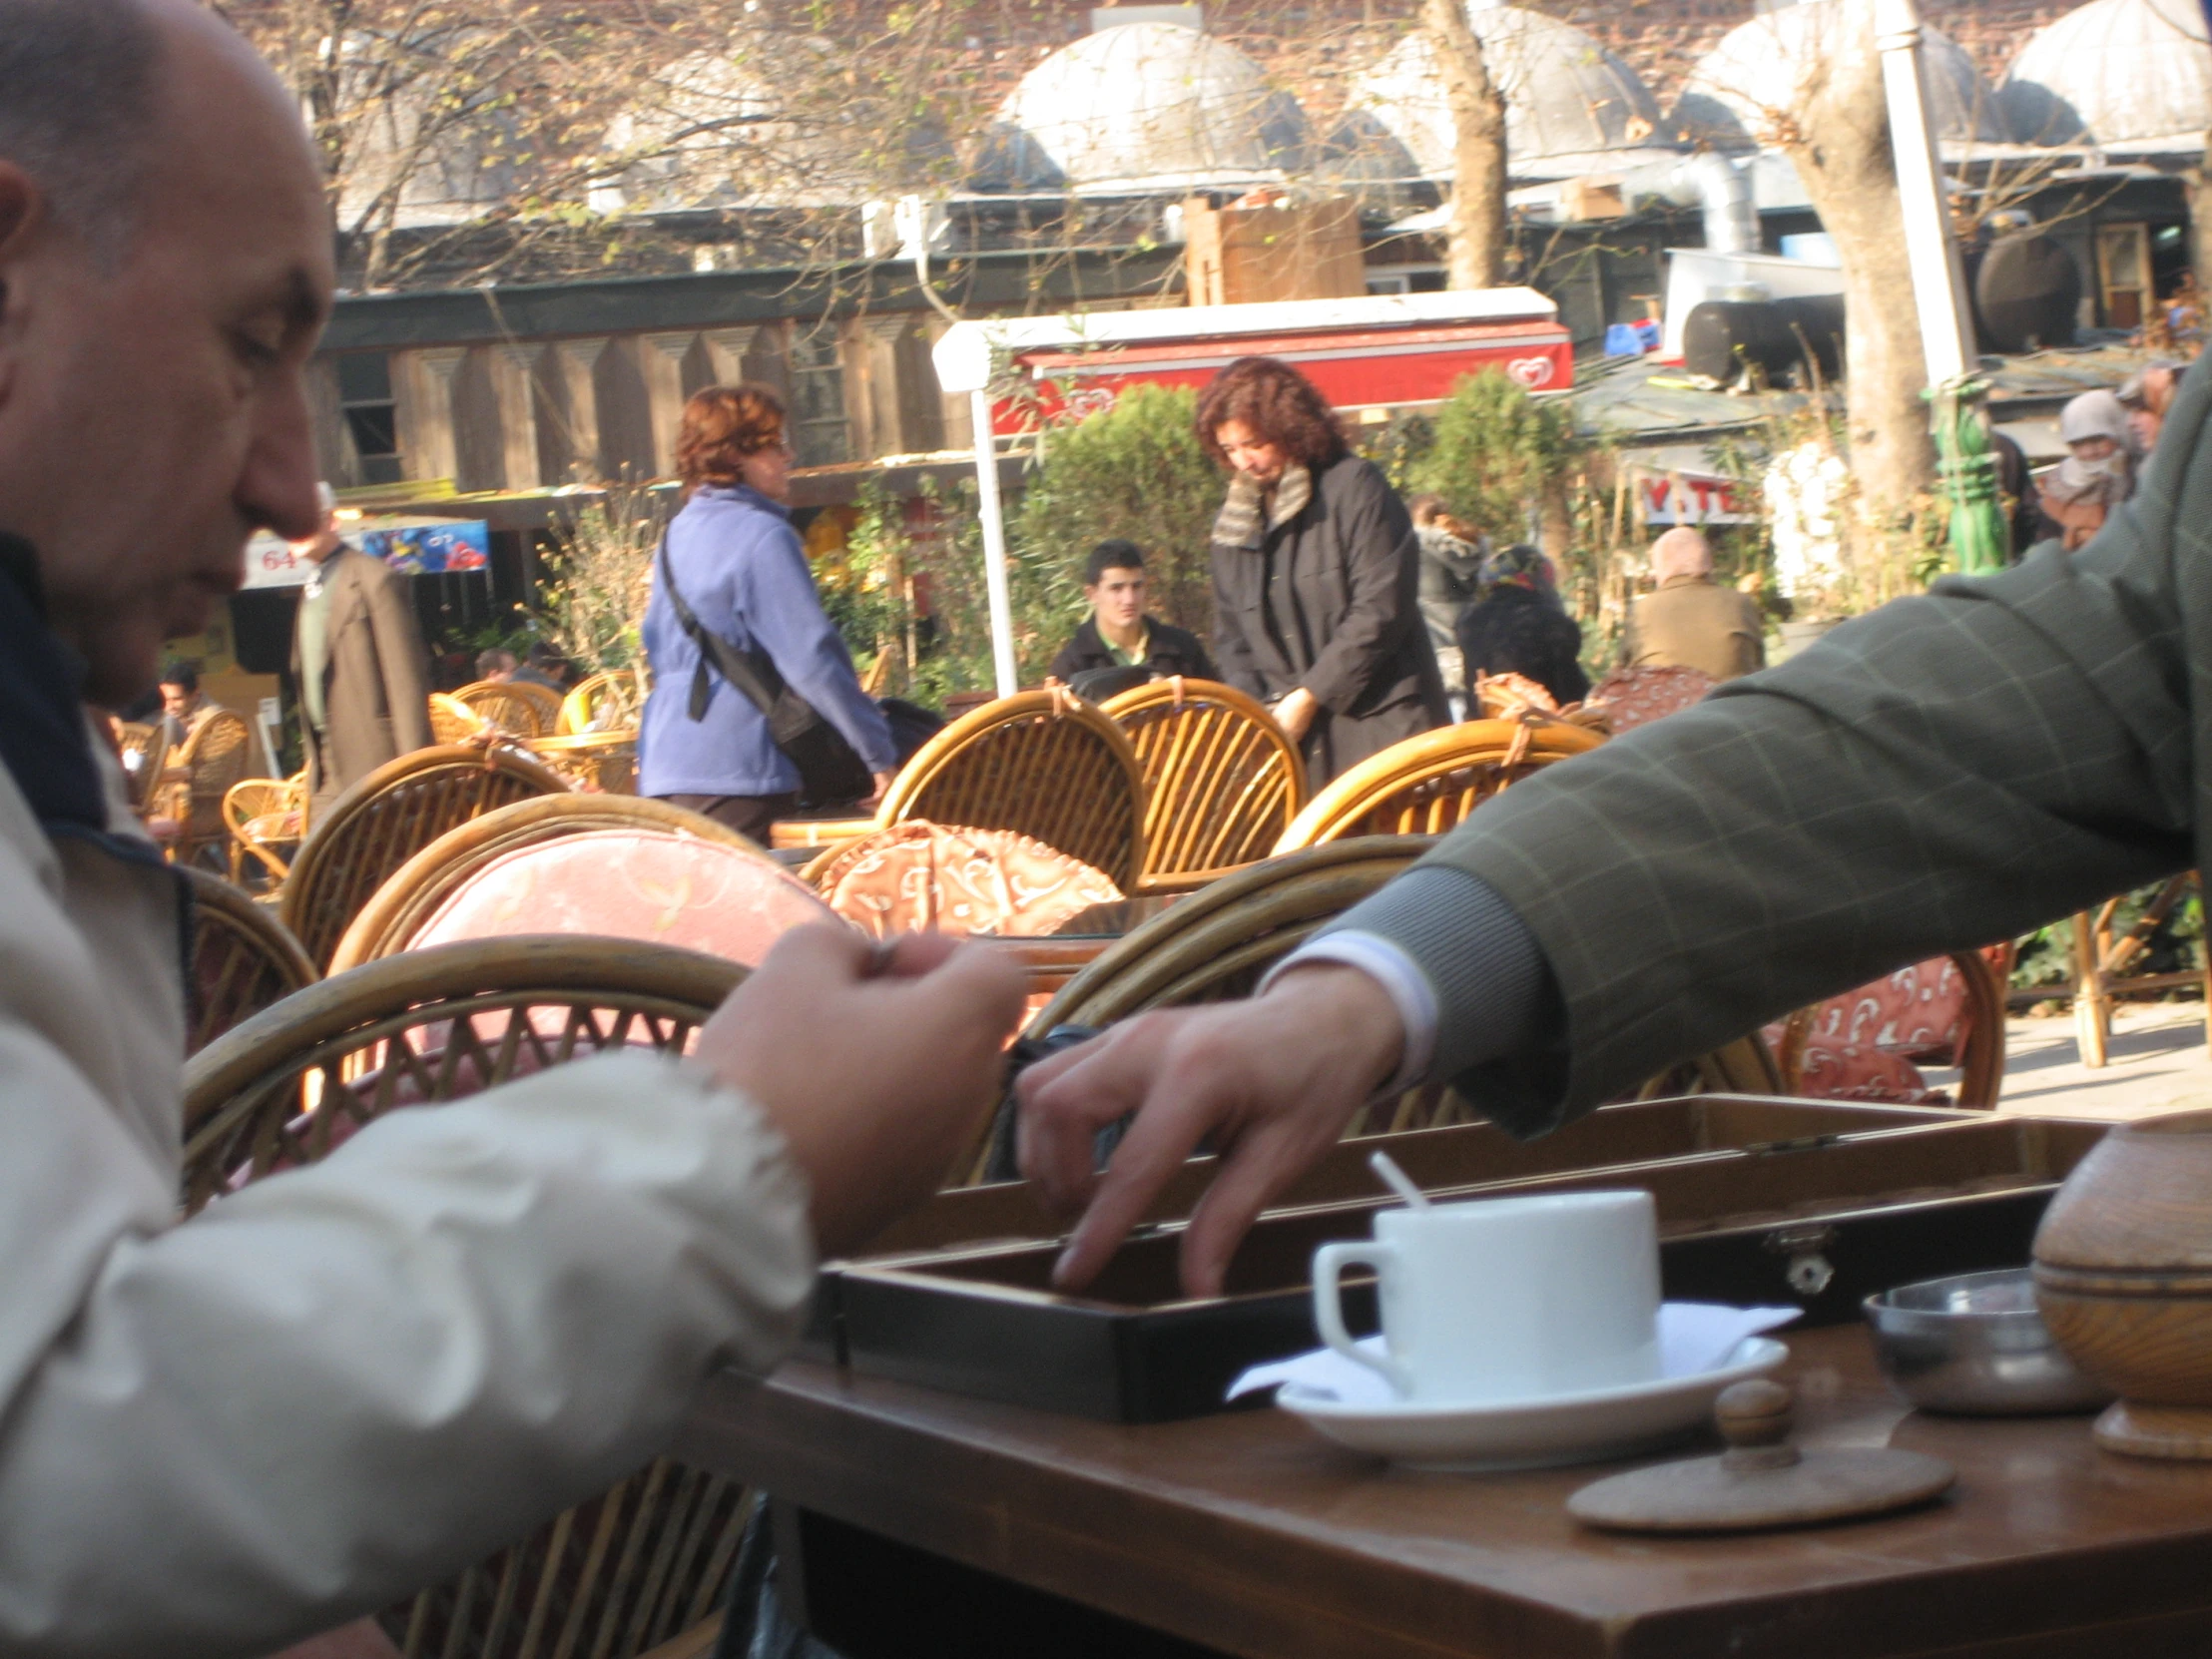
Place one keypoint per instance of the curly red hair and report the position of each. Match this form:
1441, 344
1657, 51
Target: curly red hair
721, 427
1277, 404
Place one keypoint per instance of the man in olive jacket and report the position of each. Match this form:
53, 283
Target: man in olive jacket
358, 660
1692, 621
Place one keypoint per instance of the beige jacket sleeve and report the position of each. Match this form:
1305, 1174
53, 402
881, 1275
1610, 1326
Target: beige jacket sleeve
340, 1383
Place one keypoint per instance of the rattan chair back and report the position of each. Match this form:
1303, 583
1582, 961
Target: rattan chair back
137, 745
546, 700
1045, 764
507, 707
266, 818
651, 1558
452, 721
1221, 781
390, 816
243, 960
195, 778
1427, 784
599, 762
396, 912
610, 701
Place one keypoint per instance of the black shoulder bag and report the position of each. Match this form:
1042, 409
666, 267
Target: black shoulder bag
829, 770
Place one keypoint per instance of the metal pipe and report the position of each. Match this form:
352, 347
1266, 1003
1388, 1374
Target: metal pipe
1711, 183
992, 513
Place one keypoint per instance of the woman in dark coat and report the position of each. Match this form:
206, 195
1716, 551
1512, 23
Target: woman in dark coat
1515, 627
1316, 573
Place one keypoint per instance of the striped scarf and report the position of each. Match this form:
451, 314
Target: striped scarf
1238, 524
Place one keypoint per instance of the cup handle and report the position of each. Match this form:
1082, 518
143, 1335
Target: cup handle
1329, 1260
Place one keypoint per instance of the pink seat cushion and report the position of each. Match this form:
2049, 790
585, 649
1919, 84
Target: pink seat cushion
631, 885
1636, 697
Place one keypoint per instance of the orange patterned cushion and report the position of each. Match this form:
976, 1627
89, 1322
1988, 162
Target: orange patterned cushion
1638, 696
916, 876
1861, 1045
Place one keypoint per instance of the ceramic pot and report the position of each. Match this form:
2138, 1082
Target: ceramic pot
2123, 1275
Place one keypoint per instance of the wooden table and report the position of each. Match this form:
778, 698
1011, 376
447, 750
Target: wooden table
904, 1511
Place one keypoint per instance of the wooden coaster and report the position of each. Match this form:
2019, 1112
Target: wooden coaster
1760, 1481
2182, 1433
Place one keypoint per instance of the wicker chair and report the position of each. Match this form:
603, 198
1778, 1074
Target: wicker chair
452, 721
139, 746
243, 960
1427, 784
1217, 945
194, 778
609, 702
598, 762
386, 819
267, 819
507, 707
1222, 781
2103, 964
546, 700
395, 913
649, 1559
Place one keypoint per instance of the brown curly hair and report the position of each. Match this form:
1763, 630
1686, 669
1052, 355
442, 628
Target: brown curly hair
1277, 404
721, 427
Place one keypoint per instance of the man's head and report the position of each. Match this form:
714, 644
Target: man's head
1682, 551
1113, 581
180, 689
2146, 395
164, 271
495, 665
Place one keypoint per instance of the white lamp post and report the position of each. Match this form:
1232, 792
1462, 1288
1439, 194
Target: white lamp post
1938, 280
964, 360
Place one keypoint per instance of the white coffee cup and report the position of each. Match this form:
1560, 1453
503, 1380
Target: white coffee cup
1505, 1298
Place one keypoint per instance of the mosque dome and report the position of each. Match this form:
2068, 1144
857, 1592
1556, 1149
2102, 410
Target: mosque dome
1570, 105
1142, 107
2114, 73
469, 163
1726, 101
746, 127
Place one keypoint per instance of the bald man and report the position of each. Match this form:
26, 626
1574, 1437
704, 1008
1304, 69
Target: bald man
1691, 621
341, 1382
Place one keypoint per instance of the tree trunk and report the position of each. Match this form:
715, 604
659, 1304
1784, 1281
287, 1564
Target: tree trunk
1476, 239
1840, 145
2200, 220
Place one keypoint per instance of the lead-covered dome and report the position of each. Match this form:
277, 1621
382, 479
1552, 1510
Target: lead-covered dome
2115, 72
1143, 107
1745, 90
1571, 106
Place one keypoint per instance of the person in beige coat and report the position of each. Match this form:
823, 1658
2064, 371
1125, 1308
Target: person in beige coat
358, 659
345, 1382
1692, 621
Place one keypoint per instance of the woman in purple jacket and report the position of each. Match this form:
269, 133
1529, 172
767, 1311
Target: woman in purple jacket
738, 564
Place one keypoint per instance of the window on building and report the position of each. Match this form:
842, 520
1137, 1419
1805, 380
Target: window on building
370, 413
818, 429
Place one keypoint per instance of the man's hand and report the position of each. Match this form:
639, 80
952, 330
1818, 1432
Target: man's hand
1295, 713
1273, 1081
877, 1068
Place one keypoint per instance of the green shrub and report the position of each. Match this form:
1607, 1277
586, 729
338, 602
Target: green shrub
1135, 471
1496, 455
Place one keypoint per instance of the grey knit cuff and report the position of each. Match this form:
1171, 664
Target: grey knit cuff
1488, 972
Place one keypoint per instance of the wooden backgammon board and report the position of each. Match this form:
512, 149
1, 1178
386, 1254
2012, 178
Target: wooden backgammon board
1761, 1201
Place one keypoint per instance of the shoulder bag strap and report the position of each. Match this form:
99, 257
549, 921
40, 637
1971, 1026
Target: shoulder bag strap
754, 678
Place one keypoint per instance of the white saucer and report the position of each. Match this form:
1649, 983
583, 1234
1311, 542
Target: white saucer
1533, 1434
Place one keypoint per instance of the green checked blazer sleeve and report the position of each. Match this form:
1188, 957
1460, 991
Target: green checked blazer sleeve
1950, 770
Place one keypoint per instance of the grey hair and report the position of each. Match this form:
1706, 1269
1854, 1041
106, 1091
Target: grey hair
79, 84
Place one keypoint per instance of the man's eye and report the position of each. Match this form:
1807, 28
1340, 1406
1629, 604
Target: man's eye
254, 349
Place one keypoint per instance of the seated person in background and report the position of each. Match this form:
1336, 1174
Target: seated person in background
2146, 395
498, 667
1118, 633
2080, 495
1451, 556
184, 708
1516, 627
1692, 621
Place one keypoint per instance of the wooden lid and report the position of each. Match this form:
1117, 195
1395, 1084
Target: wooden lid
1761, 1480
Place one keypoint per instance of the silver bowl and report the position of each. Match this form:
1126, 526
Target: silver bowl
1975, 1344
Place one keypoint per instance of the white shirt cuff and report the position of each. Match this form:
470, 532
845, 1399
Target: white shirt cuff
1390, 967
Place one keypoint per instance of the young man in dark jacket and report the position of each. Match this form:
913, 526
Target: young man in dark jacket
1116, 632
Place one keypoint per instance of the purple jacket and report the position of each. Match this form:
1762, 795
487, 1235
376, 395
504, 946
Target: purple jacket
742, 572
